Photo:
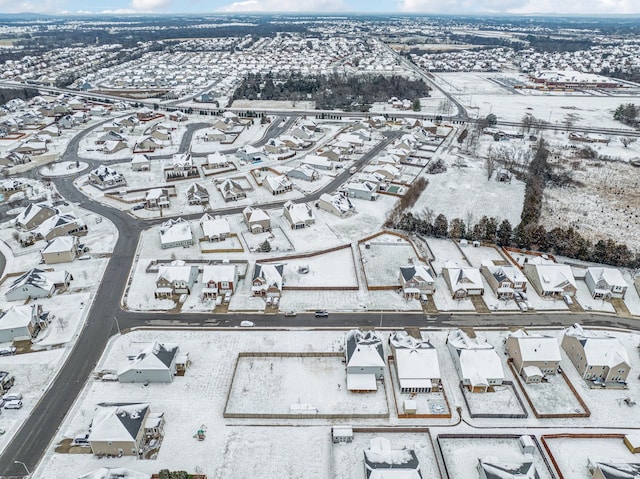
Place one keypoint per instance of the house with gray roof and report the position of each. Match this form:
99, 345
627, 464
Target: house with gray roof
37, 283
364, 357
493, 468
21, 322
381, 462
605, 283
614, 470
156, 363
267, 280
416, 280
118, 430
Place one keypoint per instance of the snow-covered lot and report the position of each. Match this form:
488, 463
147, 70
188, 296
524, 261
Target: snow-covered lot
272, 385
465, 192
553, 396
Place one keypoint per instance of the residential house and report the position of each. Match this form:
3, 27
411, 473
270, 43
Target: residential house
217, 160
34, 146
13, 158
231, 190
214, 228
614, 470
389, 172
605, 283
111, 147
157, 198
382, 462
318, 162
493, 468
105, 177
22, 322
277, 185
550, 279
299, 215
145, 114
534, 355
333, 154
178, 116
267, 280
363, 190
182, 166
197, 194
118, 430
303, 172
462, 282
338, 204
477, 362
416, 363
175, 279
148, 144
218, 280
140, 162
257, 220
110, 136
61, 249
302, 132
505, 280
159, 132
416, 280
364, 357
11, 186
596, 355
250, 153
66, 224
156, 363
174, 233
37, 283
214, 134
275, 147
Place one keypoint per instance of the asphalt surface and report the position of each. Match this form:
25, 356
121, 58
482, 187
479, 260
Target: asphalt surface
32, 440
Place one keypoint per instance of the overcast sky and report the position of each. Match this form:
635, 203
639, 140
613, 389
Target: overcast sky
323, 6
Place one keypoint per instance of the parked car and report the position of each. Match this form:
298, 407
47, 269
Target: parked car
12, 396
321, 314
7, 351
289, 314
567, 299
16, 404
247, 324
138, 206
523, 307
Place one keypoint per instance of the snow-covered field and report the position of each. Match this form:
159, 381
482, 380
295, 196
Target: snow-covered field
272, 385
63, 168
465, 192
382, 258
502, 401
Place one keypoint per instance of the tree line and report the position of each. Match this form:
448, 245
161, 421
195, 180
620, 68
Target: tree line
350, 93
528, 234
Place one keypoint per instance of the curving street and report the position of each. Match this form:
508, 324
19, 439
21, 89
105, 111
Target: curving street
33, 439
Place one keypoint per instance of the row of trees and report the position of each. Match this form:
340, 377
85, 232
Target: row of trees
7, 94
331, 91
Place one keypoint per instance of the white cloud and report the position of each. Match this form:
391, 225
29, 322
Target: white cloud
39, 6
521, 6
285, 6
148, 6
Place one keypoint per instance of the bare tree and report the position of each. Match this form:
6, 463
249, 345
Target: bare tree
627, 140
490, 164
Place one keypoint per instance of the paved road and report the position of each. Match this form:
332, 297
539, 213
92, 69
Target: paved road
31, 442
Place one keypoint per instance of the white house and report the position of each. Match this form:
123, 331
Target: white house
364, 357
175, 232
215, 228
477, 362
462, 282
534, 355
21, 322
605, 283
156, 363
416, 362
550, 279
299, 215
337, 204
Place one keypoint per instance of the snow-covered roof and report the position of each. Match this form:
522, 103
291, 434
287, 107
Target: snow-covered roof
176, 271
415, 359
218, 272
537, 347
60, 244
214, 226
18, 316
420, 272
57, 221
364, 349
299, 212
34, 277
611, 276
553, 277
156, 356
175, 230
31, 211
496, 469
117, 423
270, 275
255, 214
599, 348
463, 278
382, 462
